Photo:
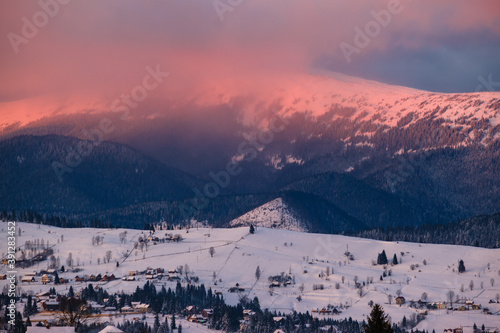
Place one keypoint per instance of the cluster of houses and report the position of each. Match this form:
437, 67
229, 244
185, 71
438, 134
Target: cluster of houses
277, 281
135, 307
461, 330
50, 302
168, 238
247, 316
460, 305
44, 276
95, 278
153, 274
48, 276
194, 315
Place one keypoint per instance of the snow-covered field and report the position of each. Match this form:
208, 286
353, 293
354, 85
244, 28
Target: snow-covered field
304, 256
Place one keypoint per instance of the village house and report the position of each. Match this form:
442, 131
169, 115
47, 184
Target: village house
208, 313
247, 314
279, 320
190, 310
45, 296
142, 308
50, 305
127, 309
196, 319
400, 300
28, 279
441, 305
46, 279
107, 278
324, 311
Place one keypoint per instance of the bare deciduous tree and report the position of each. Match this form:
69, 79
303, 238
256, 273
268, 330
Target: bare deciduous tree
74, 312
450, 294
69, 260
123, 236
108, 256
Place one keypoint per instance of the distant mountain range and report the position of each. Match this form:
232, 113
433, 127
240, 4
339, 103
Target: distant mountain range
328, 152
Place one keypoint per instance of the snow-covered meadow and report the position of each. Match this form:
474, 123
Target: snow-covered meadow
306, 257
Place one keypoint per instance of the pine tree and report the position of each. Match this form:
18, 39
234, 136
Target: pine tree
395, 259
56, 278
377, 321
257, 273
461, 266
382, 258
156, 325
252, 229
173, 326
179, 330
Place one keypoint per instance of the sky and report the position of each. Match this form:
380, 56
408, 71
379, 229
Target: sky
59, 56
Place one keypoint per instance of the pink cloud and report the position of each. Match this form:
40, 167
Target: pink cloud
92, 51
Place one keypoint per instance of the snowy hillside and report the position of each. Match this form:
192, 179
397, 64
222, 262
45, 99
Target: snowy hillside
274, 214
311, 261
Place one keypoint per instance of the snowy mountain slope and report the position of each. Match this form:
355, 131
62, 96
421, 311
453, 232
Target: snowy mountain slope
274, 214
435, 153
305, 257
369, 104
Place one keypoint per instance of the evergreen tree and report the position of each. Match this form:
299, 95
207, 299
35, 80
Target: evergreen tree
179, 330
156, 325
71, 292
461, 266
377, 321
257, 273
252, 229
382, 258
395, 259
56, 278
173, 326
